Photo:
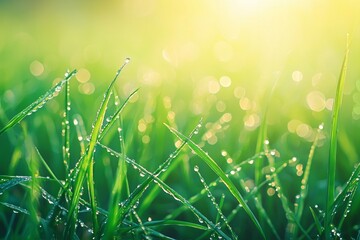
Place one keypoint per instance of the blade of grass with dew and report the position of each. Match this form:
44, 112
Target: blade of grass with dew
169, 169
163, 223
202, 193
284, 200
39, 103
93, 203
15, 208
113, 118
228, 183
347, 195
80, 132
153, 193
341, 197
168, 190
317, 221
157, 235
333, 144
174, 166
221, 205
213, 201
13, 181
249, 196
299, 207
66, 128
262, 136
347, 209
135, 196
116, 192
69, 230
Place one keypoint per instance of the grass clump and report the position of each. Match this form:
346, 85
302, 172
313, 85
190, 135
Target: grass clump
246, 198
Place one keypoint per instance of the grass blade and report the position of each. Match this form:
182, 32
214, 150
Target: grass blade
304, 184
220, 214
39, 103
333, 144
283, 198
66, 128
113, 118
228, 183
167, 189
15, 208
137, 194
4, 185
262, 136
317, 221
116, 192
84, 166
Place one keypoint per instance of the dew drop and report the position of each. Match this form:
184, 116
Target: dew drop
58, 89
196, 168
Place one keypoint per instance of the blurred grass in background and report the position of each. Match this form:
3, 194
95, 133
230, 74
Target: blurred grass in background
212, 59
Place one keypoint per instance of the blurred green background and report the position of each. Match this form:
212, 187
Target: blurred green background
216, 60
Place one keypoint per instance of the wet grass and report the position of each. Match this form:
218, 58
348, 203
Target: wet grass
106, 194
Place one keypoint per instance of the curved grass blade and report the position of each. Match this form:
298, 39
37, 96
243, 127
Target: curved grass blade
343, 197
4, 185
135, 196
304, 184
202, 193
15, 208
333, 144
84, 165
116, 192
167, 189
249, 196
220, 214
113, 118
39, 103
284, 200
161, 223
228, 183
317, 221
346, 196
153, 193
259, 163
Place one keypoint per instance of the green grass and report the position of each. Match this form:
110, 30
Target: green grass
333, 145
114, 184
